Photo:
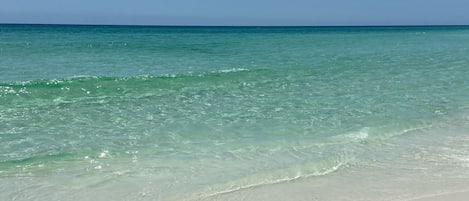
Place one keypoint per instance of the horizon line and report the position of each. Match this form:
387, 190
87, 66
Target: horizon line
177, 25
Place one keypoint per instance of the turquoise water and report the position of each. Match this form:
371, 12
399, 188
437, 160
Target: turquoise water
205, 110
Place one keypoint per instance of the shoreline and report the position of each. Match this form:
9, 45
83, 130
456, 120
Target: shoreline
423, 165
431, 176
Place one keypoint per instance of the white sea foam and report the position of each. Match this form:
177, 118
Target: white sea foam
361, 134
231, 70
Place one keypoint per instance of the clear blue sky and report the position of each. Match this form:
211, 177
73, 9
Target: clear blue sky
236, 12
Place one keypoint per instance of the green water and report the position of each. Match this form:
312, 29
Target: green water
182, 109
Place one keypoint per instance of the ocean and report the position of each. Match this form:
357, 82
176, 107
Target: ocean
174, 113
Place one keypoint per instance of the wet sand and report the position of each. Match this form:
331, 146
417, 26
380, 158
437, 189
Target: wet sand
421, 166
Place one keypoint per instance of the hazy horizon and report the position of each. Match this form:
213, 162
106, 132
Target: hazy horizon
240, 13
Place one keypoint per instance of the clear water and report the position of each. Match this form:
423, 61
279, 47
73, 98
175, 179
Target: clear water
160, 112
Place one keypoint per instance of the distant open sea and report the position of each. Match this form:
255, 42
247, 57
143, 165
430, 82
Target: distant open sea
166, 113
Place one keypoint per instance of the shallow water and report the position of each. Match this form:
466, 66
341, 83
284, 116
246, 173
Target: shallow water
168, 111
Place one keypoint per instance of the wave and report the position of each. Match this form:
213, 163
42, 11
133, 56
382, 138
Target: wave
98, 88
279, 176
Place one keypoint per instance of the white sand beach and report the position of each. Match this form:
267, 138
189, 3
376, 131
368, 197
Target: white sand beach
418, 170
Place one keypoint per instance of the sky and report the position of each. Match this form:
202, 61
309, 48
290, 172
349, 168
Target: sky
237, 12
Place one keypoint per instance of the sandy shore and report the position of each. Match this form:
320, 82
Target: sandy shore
454, 196
349, 189
422, 166
425, 166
